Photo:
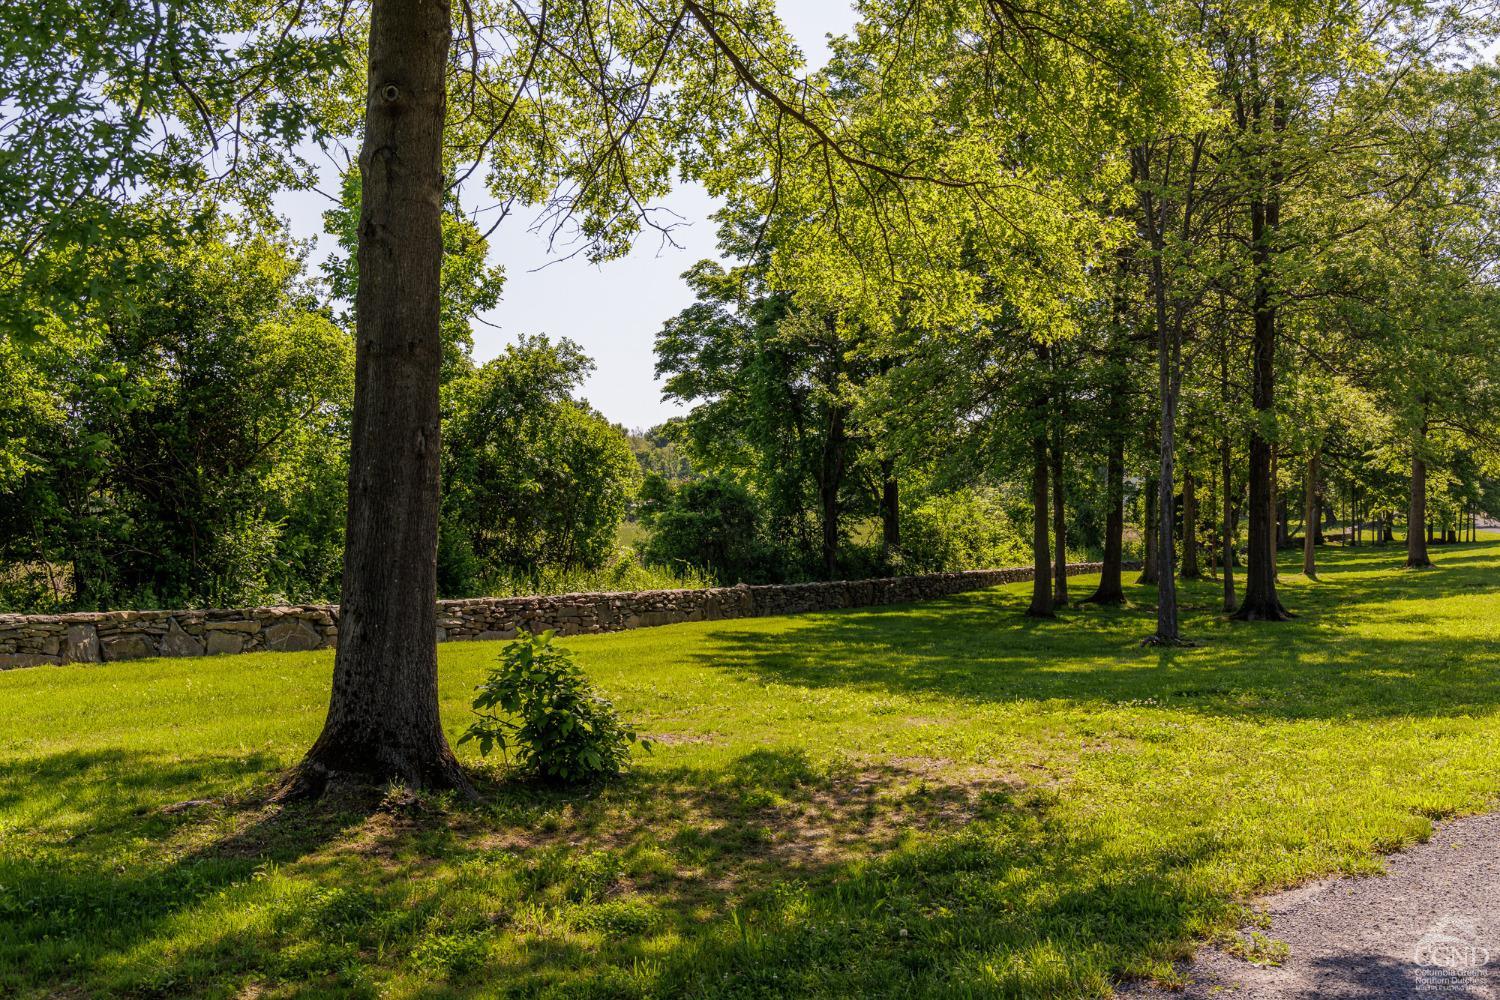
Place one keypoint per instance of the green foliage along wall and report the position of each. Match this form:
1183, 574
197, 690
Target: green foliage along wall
182, 441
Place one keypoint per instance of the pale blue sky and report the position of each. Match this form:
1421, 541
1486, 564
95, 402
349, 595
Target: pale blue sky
614, 309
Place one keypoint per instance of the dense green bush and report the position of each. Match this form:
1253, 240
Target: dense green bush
533, 479
559, 730
181, 440
969, 529
713, 523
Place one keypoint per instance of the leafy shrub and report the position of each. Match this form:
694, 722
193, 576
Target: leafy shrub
968, 529
714, 522
532, 477
562, 732
618, 918
449, 954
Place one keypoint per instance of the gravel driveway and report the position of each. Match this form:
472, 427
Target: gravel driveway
1429, 929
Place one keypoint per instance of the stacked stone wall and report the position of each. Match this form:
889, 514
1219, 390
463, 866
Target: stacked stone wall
104, 636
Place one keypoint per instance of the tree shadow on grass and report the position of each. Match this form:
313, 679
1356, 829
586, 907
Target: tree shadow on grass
110, 787
1013, 901
1344, 657
78, 902
771, 876
985, 893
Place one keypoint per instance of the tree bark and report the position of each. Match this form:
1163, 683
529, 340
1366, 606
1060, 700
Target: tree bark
1261, 602
1041, 556
1148, 533
382, 722
1416, 517
1226, 470
1278, 504
1110, 589
1359, 524
1190, 569
1310, 515
1168, 381
1059, 514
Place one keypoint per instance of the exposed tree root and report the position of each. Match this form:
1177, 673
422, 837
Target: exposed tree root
1168, 642
312, 780
1262, 612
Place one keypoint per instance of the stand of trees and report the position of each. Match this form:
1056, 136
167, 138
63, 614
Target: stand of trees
1035, 257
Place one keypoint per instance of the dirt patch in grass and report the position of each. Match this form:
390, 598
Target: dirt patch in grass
871, 810
684, 739
770, 812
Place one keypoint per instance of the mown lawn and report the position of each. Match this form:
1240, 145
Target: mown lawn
938, 800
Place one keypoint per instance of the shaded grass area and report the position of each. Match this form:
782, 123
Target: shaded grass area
935, 800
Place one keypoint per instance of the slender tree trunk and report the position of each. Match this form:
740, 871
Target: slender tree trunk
1041, 556
382, 720
1226, 471
1278, 503
1059, 513
1310, 515
1110, 590
830, 483
1148, 534
1416, 544
890, 506
1190, 569
1167, 632
1168, 381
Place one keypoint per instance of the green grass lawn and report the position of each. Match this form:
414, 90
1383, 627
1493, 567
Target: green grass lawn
935, 800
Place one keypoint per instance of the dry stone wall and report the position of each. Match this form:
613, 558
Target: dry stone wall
103, 636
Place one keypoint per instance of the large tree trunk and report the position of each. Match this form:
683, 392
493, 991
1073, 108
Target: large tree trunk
1310, 516
1190, 570
382, 720
1059, 517
1261, 602
1041, 556
1416, 517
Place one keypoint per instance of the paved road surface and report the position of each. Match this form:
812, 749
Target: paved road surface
1429, 929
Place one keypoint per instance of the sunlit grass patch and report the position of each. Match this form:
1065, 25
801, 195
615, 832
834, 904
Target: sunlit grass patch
936, 800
